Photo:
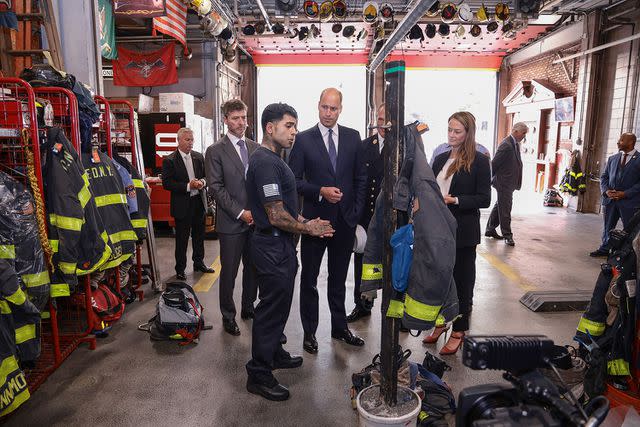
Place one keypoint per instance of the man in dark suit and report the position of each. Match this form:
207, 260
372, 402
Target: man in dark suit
330, 176
372, 157
226, 165
620, 188
183, 175
506, 167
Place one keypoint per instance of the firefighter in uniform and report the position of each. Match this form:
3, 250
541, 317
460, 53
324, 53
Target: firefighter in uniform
273, 201
372, 148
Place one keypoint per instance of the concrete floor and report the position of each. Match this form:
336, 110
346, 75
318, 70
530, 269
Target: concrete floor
129, 380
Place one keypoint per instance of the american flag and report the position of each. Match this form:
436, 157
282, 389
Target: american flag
174, 24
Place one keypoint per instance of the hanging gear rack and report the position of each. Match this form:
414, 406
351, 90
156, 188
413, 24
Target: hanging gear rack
20, 158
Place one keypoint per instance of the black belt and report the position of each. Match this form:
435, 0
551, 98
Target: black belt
272, 232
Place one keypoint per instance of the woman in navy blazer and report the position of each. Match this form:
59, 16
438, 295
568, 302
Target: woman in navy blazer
464, 177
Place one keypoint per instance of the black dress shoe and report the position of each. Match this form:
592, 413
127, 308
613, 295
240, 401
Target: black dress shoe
509, 241
231, 327
358, 313
276, 391
283, 339
245, 315
310, 343
599, 253
346, 336
181, 276
203, 268
494, 234
288, 363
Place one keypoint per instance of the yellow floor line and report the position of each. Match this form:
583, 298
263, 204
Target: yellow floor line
506, 271
208, 279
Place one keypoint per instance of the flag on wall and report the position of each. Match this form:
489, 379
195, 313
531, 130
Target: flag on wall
174, 24
107, 30
156, 68
139, 8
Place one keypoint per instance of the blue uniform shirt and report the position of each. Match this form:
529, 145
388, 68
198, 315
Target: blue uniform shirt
269, 179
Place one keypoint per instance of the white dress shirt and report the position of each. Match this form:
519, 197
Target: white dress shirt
380, 143
325, 136
188, 163
629, 155
234, 142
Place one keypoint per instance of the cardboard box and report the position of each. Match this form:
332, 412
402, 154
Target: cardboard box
176, 103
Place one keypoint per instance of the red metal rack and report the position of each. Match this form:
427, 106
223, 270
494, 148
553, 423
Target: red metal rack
18, 114
102, 132
124, 142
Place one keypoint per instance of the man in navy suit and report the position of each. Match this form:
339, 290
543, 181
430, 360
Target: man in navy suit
330, 176
620, 188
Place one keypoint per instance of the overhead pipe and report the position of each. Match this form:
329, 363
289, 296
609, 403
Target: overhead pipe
410, 19
597, 49
264, 14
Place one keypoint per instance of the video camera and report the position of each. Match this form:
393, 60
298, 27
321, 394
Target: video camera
532, 399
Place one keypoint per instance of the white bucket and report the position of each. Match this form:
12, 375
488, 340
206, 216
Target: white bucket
365, 419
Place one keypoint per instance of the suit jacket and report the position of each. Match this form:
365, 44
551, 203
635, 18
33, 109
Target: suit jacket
625, 179
473, 190
226, 182
175, 179
312, 168
374, 165
507, 166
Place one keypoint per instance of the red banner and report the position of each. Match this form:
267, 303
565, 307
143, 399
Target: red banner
145, 69
139, 8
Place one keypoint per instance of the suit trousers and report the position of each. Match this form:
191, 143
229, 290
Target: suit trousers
339, 247
276, 265
612, 213
233, 248
464, 274
192, 222
501, 213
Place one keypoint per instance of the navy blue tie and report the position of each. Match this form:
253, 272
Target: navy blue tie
333, 154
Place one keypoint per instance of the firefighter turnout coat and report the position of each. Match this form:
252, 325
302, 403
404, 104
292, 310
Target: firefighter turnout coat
431, 296
76, 232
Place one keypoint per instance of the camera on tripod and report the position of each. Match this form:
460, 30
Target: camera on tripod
531, 399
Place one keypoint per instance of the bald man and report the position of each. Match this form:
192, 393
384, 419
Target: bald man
620, 188
331, 178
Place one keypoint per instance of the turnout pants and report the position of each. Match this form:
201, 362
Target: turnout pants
276, 265
192, 222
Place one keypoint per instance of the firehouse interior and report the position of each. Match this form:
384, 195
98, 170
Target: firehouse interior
100, 326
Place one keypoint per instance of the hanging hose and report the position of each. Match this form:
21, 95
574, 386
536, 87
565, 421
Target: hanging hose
35, 189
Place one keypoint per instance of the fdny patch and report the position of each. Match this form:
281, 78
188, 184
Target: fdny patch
271, 190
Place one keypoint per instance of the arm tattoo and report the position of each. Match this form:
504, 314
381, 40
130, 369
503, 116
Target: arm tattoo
280, 218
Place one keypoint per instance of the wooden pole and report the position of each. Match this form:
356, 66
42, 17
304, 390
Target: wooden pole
394, 110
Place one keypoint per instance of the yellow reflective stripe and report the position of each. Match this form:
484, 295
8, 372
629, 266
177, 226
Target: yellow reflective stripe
440, 320
36, 279
45, 315
396, 309
55, 244
103, 258
67, 267
419, 310
618, 367
7, 252
66, 222
111, 199
115, 262
4, 308
139, 223
17, 298
138, 183
59, 290
123, 235
12, 392
84, 194
371, 271
25, 333
589, 326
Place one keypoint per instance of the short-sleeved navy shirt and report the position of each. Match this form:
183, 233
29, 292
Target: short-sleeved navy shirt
269, 179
